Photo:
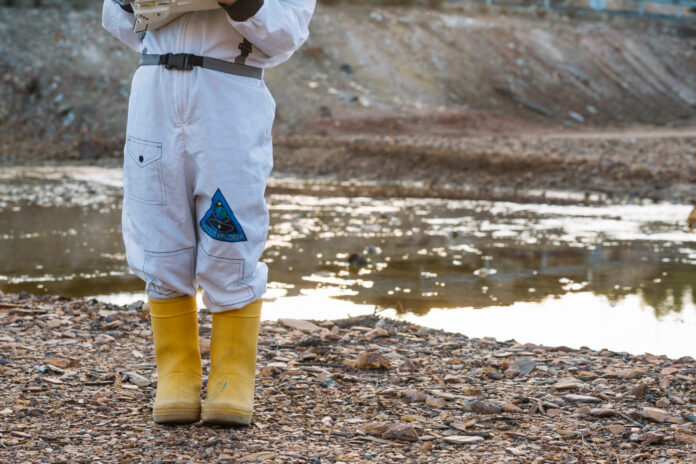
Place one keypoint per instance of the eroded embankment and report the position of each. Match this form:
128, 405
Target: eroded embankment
367, 70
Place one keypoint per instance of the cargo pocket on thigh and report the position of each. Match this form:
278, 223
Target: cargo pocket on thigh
142, 168
169, 272
220, 277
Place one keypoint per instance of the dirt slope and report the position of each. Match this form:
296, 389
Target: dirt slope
371, 72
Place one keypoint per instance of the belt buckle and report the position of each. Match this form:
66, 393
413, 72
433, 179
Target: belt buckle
180, 61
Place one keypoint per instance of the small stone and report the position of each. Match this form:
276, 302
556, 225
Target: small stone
523, 365
373, 428
583, 410
412, 395
6, 412
463, 440
463, 426
371, 360
511, 408
471, 391
632, 373
602, 412
651, 437
269, 371
400, 432
681, 437
554, 412
581, 398
450, 378
413, 418
655, 414
299, 324
437, 403
137, 379
58, 361
640, 390
259, 457
103, 339
662, 403
54, 323
376, 333
568, 383
481, 407
204, 346
616, 429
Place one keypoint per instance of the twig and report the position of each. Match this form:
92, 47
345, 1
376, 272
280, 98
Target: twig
632, 421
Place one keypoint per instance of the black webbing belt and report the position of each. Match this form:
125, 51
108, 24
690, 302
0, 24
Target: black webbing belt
186, 62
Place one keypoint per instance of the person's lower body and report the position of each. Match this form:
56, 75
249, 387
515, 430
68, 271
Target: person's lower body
197, 158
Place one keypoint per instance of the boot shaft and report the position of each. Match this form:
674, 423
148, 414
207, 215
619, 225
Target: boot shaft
175, 330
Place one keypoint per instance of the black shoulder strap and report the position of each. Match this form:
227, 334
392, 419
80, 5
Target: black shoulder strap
245, 47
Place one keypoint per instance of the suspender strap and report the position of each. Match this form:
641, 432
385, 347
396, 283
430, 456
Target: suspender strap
245, 47
186, 62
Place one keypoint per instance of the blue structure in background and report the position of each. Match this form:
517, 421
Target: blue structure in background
601, 5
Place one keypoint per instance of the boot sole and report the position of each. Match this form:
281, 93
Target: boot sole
223, 418
176, 417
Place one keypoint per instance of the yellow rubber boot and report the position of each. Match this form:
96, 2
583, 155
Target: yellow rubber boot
175, 328
233, 345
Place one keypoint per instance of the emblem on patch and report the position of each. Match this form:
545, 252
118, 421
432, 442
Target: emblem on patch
219, 222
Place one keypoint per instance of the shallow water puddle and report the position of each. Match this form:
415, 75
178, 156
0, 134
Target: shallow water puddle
619, 277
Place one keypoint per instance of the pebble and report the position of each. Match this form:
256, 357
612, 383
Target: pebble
655, 414
681, 437
137, 379
400, 432
523, 365
299, 324
412, 395
464, 440
481, 407
374, 428
602, 412
372, 360
568, 383
616, 429
640, 390
581, 398
662, 403
103, 339
437, 403
511, 408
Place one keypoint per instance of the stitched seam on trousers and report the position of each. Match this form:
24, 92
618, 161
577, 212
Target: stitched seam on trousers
249, 289
151, 255
161, 202
221, 259
132, 144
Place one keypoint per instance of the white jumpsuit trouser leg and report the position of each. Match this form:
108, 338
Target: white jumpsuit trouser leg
197, 158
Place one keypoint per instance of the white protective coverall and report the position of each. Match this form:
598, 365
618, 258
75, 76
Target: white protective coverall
198, 152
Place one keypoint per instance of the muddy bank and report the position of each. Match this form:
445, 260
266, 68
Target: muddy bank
598, 166
78, 380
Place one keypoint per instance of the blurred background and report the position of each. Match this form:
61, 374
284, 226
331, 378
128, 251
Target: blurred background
514, 170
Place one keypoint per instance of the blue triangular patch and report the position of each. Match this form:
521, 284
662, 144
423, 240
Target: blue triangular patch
219, 222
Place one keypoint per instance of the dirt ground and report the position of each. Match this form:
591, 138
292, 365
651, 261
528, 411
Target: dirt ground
524, 164
78, 380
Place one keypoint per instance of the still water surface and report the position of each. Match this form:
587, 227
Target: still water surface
621, 277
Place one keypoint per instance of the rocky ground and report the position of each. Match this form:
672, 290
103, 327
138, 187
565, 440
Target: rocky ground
78, 381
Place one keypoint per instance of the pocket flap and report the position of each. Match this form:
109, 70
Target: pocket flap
143, 152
